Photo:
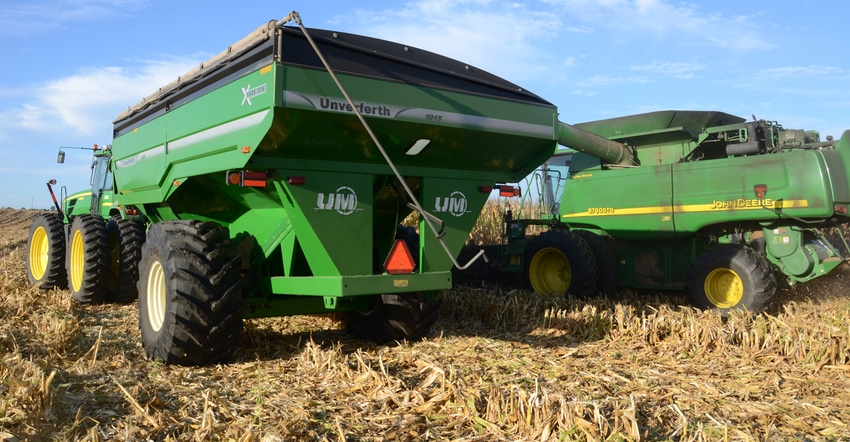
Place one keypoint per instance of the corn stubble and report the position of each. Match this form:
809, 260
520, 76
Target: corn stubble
499, 365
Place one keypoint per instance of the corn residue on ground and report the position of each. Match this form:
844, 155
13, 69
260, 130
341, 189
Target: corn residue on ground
500, 365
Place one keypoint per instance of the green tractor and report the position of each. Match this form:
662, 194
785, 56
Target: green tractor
703, 201
272, 180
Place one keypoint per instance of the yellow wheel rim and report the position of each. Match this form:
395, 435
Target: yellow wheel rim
39, 253
156, 296
724, 288
550, 271
77, 261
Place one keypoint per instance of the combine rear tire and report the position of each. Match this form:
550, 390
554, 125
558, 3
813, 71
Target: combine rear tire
88, 259
732, 277
46, 252
395, 317
559, 262
190, 296
606, 263
125, 244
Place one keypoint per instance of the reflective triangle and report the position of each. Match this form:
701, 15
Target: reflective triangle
399, 261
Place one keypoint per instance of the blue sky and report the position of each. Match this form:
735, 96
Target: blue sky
70, 66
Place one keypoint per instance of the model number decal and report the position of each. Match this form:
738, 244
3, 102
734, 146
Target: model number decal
433, 117
600, 210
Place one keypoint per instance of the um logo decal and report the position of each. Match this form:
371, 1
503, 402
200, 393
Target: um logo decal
454, 204
343, 201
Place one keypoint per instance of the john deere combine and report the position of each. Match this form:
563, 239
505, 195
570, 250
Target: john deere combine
685, 199
272, 180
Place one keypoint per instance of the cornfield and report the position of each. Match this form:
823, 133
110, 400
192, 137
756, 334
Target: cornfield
500, 365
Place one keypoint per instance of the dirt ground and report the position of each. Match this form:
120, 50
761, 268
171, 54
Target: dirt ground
499, 365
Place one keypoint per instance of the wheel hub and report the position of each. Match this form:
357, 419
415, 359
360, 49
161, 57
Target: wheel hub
724, 288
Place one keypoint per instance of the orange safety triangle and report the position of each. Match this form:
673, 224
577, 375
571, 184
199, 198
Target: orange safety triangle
399, 261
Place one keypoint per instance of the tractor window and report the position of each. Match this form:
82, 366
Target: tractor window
102, 176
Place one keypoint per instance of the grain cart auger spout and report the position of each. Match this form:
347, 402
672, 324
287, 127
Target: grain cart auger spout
429, 218
609, 151
273, 180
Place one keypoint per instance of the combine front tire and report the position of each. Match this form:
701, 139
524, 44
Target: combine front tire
46, 252
395, 317
88, 259
190, 296
559, 262
732, 277
606, 263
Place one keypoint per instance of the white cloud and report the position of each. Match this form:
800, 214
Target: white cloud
498, 36
670, 69
598, 81
685, 24
88, 101
32, 16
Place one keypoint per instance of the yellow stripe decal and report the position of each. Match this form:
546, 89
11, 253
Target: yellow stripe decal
740, 204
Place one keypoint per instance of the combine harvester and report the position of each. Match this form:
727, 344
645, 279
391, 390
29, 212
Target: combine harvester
272, 181
696, 200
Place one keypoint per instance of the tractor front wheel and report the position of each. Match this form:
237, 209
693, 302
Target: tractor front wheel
732, 277
559, 262
190, 297
46, 252
88, 259
395, 317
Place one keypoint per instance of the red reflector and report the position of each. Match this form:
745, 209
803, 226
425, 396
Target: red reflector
840, 209
485, 189
399, 261
509, 191
234, 179
760, 190
296, 180
254, 179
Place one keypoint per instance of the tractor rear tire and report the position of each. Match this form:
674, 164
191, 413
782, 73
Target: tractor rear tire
559, 262
46, 252
395, 317
732, 277
606, 263
125, 244
190, 293
88, 259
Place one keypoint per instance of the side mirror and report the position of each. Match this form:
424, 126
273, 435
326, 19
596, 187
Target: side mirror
61, 157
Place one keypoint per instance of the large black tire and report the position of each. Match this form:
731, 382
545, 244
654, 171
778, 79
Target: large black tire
606, 264
125, 244
190, 293
731, 277
559, 262
46, 252
88, 259
395, 317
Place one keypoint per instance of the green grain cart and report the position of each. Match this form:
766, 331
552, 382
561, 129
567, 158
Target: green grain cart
703, 201
272, 180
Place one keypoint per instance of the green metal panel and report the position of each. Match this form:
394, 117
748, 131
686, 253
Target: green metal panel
457, 203
630, 203
724, 190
